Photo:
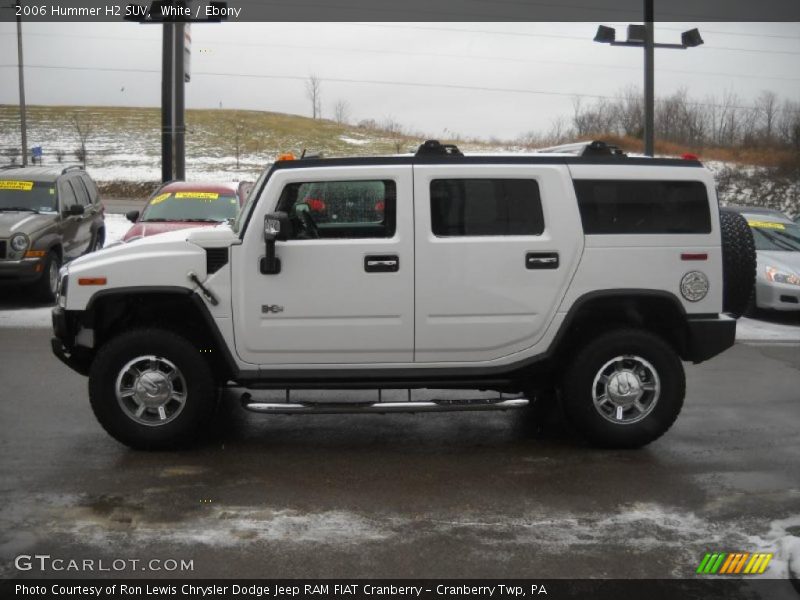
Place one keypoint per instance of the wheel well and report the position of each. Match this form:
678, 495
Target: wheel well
658, 314
171, 311
58, 250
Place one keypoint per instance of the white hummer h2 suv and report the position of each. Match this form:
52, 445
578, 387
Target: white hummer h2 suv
583, 277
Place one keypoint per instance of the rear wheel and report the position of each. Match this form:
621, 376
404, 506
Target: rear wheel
624, 389
150, 389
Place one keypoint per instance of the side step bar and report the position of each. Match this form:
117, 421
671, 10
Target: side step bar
287, 408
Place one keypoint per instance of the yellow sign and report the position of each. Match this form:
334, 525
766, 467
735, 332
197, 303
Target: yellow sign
198, 195
766, 225
160, 198
20, 186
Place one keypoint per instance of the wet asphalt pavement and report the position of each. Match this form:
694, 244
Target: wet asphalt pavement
437, 495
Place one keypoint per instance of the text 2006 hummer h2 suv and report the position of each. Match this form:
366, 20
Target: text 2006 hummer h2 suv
589, 274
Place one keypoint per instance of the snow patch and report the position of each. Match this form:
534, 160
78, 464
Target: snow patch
353, 141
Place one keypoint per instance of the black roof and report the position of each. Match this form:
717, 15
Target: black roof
36, 173
493, 159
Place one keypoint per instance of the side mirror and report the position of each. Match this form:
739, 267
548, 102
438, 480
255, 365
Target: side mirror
132, 215
74, 210
276, 228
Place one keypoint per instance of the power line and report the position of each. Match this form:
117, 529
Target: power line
436, 55
416, 84
553, 35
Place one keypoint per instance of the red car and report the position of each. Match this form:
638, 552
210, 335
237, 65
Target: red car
182, 204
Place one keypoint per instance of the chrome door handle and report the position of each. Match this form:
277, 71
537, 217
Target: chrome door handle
541, 260
381, 264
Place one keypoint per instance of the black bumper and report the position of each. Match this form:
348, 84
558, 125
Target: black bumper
19, 272
708, 336
63, 343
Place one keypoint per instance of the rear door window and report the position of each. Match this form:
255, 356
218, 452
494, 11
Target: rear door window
485, 207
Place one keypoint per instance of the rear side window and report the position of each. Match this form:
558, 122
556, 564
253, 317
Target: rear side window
485, 207
643, 207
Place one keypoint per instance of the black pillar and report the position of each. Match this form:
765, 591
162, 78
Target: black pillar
649, 80
180, 120
166, 101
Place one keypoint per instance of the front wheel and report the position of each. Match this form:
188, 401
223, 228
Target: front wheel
150, 389
624, 389
46, 287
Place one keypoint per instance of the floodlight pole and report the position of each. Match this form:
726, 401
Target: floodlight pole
642, 36
22, 111
649, 80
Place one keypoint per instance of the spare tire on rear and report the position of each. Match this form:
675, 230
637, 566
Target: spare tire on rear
738, 262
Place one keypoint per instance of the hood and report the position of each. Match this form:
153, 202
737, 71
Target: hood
784, 261
145, 229
24, 222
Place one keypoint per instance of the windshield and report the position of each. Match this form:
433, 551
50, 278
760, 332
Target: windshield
251, 201
27, 195
191, 206
769, 235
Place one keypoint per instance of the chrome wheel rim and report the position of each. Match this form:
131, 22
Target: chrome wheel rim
52, 275
151, 390
626, 389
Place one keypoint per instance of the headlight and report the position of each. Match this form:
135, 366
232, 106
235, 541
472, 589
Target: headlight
61, 294
777, 276
19, 242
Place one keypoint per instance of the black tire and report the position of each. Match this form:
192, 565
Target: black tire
738, 263
198, 383
45, 289
579, 385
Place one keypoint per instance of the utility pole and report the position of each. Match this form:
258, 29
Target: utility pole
180, 101
649, 80
174, 77
22, 114
166, 100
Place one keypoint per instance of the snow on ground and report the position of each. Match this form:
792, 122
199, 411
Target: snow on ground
353, 141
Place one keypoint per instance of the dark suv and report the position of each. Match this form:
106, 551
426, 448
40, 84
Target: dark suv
48, 216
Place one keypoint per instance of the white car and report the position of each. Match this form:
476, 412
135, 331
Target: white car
585, 278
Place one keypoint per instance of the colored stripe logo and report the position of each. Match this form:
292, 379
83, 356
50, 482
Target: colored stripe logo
734, 563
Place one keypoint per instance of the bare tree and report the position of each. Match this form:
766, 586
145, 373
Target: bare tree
341, 112
83, 129
395, 131
767, 106
314, 94
237, 130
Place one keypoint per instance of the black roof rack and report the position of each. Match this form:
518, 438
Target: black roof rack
592, 148
4, 167
434, 147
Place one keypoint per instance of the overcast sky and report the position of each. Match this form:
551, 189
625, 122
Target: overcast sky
478, 79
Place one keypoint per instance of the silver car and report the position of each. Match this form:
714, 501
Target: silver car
777, 241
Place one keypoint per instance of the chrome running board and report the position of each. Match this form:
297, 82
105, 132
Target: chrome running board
290, 408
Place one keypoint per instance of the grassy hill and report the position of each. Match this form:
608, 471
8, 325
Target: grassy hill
124, 143
124, 148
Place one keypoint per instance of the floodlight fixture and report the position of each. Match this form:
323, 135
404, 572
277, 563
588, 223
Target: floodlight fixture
691, 38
